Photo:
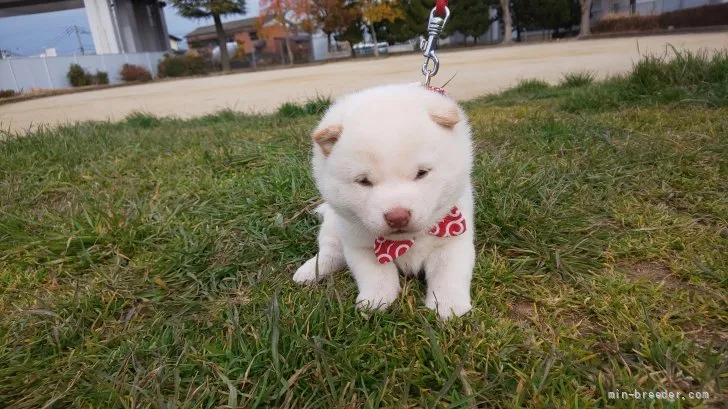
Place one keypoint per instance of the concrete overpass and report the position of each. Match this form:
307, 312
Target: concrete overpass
117, 26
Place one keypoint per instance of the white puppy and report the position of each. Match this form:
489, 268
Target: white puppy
393, 166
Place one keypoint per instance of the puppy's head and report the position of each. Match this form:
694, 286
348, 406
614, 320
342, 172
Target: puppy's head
393, 159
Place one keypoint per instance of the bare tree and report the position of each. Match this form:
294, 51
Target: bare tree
508, 28
585, 30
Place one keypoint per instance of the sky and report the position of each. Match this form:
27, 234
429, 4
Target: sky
32, 34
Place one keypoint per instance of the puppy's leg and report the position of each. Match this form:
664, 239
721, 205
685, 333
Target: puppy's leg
378, 283
449, 270
330, 255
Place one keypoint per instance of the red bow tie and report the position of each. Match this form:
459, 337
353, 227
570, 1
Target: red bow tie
439, 90
453, 224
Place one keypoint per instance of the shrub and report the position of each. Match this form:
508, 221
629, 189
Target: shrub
101, 78
77, 76
710, 15
626, 23
184, 66
7, 93
135, 73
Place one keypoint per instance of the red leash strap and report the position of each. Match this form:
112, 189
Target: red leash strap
440, 7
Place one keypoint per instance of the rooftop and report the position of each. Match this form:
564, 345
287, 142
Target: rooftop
231, 27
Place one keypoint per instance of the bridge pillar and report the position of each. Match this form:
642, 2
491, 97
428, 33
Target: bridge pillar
127, 26
103, 26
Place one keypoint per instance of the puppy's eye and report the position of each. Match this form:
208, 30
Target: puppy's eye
422, 173
364, 181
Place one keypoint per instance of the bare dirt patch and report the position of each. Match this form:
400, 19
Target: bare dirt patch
529, 313
654, 273
521, 311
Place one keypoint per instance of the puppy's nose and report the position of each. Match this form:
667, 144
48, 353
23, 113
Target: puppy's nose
397, 217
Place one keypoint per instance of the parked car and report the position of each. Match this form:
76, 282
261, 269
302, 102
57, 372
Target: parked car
363, 49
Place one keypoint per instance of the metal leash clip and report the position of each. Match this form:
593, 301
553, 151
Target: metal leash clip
434, 29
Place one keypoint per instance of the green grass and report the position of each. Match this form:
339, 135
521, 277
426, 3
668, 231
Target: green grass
148, 263
577, 79
315, 106
530, 86
676, 78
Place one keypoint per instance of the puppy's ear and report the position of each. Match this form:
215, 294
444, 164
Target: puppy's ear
445, 114
326, 137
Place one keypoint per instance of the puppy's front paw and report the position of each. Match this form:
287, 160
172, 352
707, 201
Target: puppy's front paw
377, 300
306, 274
449, 304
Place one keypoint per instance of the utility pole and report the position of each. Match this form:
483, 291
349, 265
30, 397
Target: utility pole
78, 37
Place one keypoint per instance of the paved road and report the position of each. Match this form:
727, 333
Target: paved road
479, 71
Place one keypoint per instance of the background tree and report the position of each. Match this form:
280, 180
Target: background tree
377, 11
412, 23
584, 29
307, 22
575, 15
352, 33
505, 6
333, 16
469, 17
555, 14
202, 9
541, 14
288, 13
522, 16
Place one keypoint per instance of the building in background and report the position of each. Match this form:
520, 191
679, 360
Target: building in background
266, 39
250, 32
175, 44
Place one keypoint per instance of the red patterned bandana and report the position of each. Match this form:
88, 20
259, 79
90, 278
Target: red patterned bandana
439, 90
453, 224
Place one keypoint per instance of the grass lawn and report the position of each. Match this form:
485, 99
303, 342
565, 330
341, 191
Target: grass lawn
148, 263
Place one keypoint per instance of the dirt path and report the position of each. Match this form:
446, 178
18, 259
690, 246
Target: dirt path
478, 72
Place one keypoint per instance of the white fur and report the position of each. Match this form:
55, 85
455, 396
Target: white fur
388, 135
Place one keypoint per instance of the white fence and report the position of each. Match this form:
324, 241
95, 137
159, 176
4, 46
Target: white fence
50, 72
402, 48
